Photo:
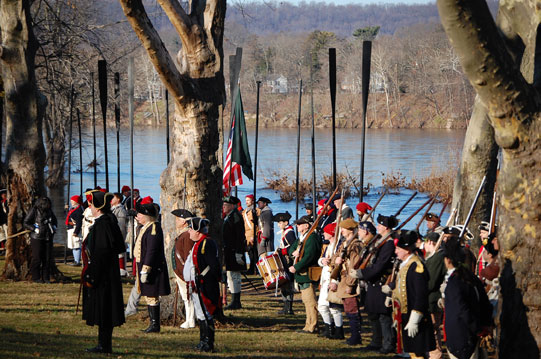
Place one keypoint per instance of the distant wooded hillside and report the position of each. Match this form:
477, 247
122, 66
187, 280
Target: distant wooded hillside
280, 16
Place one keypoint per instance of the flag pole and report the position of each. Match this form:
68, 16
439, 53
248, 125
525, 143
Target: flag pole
367, 53
298, 152
258, 83
332, 86
80, 150
94, 130
131, 115
117, 122
314, 199
102, 82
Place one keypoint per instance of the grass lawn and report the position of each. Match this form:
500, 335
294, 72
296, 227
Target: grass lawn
38, 320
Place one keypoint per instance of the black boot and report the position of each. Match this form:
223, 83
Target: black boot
355, 328
235, 302
154, 313
326, 332
209, 342
284, 309
202, 334
290, 307
104, 341
338, 333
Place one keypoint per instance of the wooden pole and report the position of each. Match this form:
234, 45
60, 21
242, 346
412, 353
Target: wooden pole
298, 152
94, 130
332, 86
367, 53
131, 115
314, 196
117, 122
80, 150
167, 124
102, 82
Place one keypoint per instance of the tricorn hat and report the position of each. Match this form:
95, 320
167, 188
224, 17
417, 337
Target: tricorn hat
453, 250
98, 198
406, 240
484, 226
281, 217
432, 217
304, 220
388, 221
264, 199
182, 213
198, 223
309, 205
147, 207
231, 200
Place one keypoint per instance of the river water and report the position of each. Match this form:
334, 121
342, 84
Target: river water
410, 152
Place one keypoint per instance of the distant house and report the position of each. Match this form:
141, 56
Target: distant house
353, 84
277, 84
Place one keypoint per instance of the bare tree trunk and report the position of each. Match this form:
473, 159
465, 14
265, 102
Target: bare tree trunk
198, 91
513, 107
25, 155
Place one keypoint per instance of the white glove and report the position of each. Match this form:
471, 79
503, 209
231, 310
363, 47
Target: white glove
413, 323
386, 289
441, 303
143, 277
239, 257
443, 286
356, 273
388, 302
36, 230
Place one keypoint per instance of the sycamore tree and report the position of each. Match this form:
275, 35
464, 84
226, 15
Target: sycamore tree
502, 63
196, 85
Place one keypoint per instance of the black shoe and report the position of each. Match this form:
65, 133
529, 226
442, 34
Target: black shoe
371, 348
235, 302
74, 264
98, 349
38, 281
338, 333
326, 332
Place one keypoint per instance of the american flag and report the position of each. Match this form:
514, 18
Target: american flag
231, 168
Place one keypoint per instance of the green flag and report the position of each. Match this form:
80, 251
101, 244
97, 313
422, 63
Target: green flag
240, 152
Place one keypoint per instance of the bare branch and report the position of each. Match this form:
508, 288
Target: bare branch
510, 100
178, 17
149, 37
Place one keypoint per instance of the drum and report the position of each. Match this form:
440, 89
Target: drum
272, 271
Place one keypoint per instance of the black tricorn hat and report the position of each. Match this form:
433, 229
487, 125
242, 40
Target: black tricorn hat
98, 198
388, 221
432, 217
198, 223
368, 226
264, 199
182, 213
148, 209
407, 240
304, 220
281, 217
231, 200
453, 250
309, 206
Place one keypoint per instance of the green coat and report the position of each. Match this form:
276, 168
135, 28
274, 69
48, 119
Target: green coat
312, 252
436, 271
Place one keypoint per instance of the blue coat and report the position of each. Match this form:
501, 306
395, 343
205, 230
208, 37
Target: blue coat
375, 274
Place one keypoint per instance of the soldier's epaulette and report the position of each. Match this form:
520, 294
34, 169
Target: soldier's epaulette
153, 229
203, 247
419, 268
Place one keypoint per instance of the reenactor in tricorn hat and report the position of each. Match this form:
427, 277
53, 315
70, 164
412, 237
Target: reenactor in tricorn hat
410, 291
234, 241
287, 238
181, 250
375, 274
347, 212
433, 223
265, 236
152, 274
203, 272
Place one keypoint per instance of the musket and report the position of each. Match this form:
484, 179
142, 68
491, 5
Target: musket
426, 212
363, 263
254, 211
249, 281
367, 215
184, 190
367, 54
332, 87
314, 195
102, 80
470, 213
336, 269
440, 240
405, 204
492, 225
314, 225
443, 208
298, 152
175, 306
